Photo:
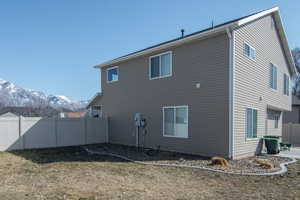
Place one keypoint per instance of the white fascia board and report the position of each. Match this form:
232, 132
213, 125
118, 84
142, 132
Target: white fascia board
168, 45
285, 43
257, 16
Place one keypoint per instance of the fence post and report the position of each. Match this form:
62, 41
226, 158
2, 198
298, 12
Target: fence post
285, 132
107, 128
85, 130
21, 138
55, 132
290, 132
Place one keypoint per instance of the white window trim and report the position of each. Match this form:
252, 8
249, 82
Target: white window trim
251, 47
246, 137
288, 87
174, 107
171, 63
252, 139
274, 90
115, 67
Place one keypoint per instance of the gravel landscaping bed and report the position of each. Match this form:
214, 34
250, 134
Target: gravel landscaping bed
246, 165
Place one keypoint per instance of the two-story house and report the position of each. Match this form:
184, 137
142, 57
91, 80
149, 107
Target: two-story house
213, 92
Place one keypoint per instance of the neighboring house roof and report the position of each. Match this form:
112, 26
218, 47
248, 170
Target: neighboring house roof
230, 25
9, 114
95, 98
75, 114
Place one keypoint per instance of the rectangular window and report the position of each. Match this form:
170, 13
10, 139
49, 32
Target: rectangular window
251, 123
175, 121
273, 76
249, 51
161, 65
286, 85
112, 74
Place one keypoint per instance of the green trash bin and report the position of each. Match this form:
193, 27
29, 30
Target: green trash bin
272, 144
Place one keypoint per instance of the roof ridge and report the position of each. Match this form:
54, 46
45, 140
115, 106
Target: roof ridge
186, 36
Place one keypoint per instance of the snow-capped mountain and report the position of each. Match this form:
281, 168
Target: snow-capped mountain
59, 101
13, 95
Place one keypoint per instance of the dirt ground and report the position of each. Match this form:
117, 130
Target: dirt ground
70, 173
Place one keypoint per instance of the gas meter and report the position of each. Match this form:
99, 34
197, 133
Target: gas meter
139, 120
140, 124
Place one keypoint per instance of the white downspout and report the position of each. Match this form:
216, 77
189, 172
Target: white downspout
230, 34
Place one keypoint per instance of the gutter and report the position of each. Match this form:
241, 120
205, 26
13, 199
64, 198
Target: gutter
230, 34
286, 47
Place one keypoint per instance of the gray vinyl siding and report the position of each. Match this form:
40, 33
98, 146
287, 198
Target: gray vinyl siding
252, 83
202, 61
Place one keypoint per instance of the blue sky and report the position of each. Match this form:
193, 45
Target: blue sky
52, 46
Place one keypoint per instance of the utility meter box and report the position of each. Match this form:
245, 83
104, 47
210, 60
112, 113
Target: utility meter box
139, 120
138, 117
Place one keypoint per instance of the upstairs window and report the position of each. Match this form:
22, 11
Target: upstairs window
160, 65
286, 84
251, 123
112, 74
249, 51
273, 76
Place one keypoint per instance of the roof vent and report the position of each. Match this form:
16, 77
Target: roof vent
182, 32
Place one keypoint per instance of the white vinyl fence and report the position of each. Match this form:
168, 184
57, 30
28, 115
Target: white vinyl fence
291, 133
31, 132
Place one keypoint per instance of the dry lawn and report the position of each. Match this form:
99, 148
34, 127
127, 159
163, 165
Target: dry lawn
70, 173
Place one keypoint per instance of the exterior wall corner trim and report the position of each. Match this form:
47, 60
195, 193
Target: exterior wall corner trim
230, 34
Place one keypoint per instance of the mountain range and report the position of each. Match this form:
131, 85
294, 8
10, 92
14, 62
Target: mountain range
12, 95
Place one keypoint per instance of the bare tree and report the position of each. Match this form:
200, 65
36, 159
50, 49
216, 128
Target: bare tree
296, 56
296, 79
